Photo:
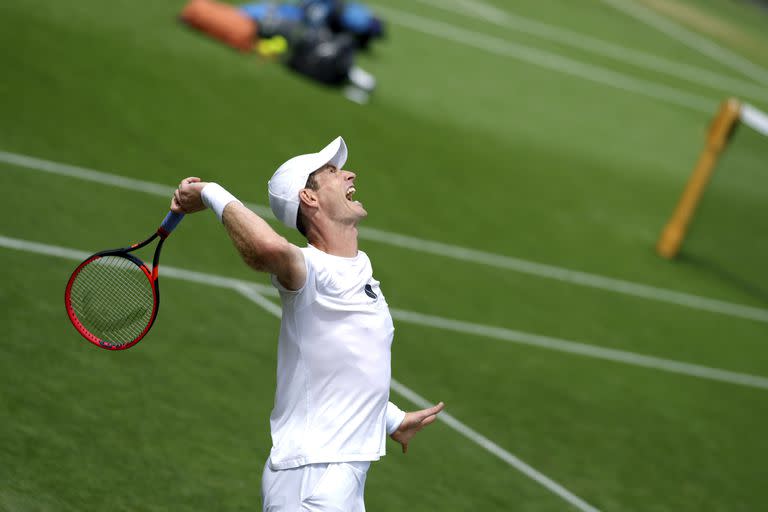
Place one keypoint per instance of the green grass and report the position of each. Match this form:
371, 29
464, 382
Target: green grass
458, 145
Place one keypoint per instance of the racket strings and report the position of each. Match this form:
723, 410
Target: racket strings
113, 299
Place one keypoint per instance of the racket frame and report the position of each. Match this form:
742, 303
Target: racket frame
165, 229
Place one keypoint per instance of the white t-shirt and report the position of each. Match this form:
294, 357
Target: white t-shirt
333, 366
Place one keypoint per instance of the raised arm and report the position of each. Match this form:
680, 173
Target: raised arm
258, 244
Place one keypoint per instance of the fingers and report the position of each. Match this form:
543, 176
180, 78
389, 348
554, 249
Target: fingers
428, 420
177, 198
175, 207
432, 411
177, 202
191, 179
186, 182
187, 198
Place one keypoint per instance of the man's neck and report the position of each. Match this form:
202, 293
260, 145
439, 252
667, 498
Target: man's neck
335, 239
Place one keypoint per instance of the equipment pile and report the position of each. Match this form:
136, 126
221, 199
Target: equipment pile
317, 38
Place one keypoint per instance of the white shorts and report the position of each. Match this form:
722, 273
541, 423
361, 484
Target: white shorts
334, 487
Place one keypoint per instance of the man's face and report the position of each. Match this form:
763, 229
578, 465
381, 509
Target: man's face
335, 191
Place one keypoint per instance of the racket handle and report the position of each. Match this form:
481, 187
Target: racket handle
169, 224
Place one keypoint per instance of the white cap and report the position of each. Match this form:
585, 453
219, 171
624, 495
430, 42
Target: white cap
292, 176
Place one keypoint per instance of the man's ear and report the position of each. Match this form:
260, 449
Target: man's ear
308, 197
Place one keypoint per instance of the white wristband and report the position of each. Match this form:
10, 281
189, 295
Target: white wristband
216, 198
395, 417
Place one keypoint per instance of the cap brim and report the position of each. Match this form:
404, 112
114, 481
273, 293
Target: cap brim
334, 153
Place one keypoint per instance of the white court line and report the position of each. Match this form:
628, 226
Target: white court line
551, 61
692, 40
683, 71
583, 349
472, 329
486, 11
435, 248
576, 277
754, 118
494, 448
255, 296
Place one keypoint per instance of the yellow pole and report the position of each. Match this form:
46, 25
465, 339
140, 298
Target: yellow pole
674, 232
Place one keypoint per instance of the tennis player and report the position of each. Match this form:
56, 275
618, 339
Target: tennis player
332, 412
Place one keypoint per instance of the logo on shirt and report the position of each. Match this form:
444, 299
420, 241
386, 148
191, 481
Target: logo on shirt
369, 291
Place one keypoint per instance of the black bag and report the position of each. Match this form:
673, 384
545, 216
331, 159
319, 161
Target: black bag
321, 54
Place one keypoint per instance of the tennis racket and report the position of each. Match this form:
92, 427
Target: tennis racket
112, 298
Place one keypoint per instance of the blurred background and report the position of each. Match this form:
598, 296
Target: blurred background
518, 161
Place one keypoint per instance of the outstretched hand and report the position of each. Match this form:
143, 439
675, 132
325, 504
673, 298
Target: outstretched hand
414, 422
186, 198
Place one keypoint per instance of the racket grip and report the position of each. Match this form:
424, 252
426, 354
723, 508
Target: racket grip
169, 223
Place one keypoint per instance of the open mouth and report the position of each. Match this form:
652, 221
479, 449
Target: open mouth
350, 192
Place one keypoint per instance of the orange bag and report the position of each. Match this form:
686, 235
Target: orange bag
221, 21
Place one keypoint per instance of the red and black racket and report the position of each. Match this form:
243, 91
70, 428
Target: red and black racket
112, 297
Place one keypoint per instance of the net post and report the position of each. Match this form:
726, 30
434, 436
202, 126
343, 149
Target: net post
674, 231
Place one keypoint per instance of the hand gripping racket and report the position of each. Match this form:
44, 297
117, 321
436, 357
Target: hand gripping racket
112, 297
